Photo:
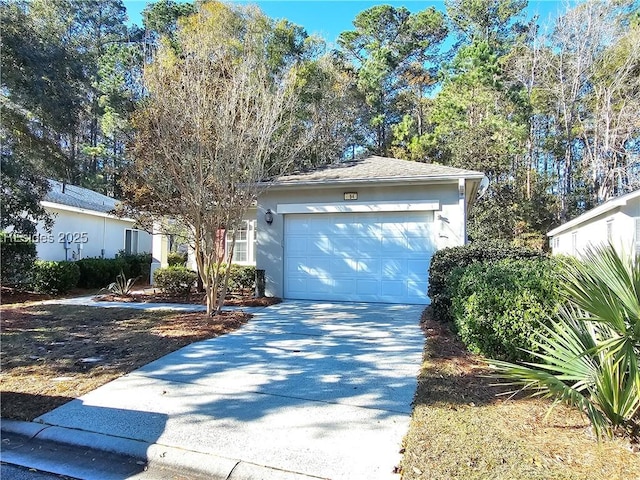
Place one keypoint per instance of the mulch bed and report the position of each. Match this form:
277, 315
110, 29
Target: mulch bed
52, 354
10, 296
193, 298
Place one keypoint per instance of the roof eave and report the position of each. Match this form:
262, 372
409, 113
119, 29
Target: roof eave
86, 211
600, 210
369, 181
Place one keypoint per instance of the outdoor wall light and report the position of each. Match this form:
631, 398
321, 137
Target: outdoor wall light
268, 216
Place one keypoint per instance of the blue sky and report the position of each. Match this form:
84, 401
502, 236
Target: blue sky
328, 18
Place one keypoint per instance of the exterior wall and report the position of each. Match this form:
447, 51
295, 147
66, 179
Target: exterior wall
89, 235
160, 247
593, 232
449, 219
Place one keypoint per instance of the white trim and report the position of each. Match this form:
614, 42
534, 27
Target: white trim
250, 227
599, 210
357, 207
68, 208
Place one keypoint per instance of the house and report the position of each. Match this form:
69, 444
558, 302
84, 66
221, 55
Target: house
83, 226
361, 231
616, 221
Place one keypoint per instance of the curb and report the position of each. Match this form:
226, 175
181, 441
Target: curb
156, 456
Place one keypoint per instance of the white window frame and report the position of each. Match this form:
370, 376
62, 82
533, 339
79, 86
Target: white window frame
134, 246
250, 241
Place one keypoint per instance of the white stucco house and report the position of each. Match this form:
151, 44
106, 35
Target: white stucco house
361, 231
616, 221
83, 226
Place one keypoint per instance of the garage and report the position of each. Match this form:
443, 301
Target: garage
363, 256
360, 230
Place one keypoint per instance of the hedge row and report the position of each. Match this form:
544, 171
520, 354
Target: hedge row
20, 269
54, 277
180, 280
100, 272
499, 306
446, 260
17, 256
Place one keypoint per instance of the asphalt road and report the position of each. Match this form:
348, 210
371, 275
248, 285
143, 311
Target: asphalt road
14, 472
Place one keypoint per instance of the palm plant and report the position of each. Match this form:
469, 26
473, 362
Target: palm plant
589, 355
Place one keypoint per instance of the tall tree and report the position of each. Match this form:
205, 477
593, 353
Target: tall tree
218, 120
40, 106
393, 51
498, 23
586, 89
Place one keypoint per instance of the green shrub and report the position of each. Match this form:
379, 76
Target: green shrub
55, 277
499, 307
176, 259
589, 356
178, 280
98, 272
242, 277
446, 260
17, 256
137, 265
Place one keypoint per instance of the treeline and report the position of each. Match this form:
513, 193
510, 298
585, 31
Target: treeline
550, 113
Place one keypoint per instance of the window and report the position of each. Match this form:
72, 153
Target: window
244, 250
556, 243
130, 241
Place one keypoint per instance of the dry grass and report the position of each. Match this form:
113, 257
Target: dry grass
461, 430
54, 353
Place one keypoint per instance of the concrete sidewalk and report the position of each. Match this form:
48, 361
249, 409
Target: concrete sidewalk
305, 390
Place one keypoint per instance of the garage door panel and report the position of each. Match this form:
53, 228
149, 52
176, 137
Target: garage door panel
369, 266
367, 287
296, 285
369, 244
319, 284
394, 247
297, 245
377, 257
418, 267
343, 266
393, 288
416, 288
295, 265
320, 245
393, 269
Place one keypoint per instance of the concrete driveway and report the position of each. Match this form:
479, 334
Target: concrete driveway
321, 390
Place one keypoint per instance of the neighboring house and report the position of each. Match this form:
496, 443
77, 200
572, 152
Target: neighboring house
357, 231
83, 226
616, 221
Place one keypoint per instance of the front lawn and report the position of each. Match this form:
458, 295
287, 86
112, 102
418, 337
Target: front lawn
52, 354
461, 430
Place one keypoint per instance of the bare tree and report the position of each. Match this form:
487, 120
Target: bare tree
218, 120
586, 85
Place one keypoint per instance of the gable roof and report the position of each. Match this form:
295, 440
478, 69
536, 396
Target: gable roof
594, 212
377, 169
78, 197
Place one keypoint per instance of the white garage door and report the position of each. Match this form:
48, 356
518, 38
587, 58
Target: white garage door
359, 257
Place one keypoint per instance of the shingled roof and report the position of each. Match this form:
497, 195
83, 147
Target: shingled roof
382, 169
79, 197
